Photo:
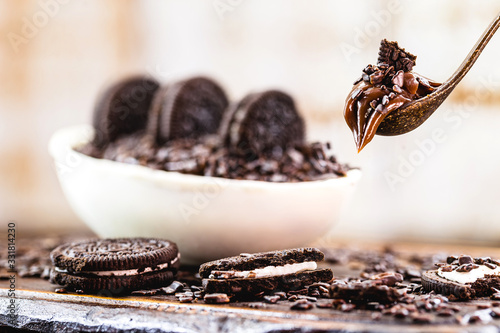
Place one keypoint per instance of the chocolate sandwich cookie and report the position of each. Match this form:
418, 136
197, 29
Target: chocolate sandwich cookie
187, 109
123, 109
116, 265
249, 274
464, 277
262, 122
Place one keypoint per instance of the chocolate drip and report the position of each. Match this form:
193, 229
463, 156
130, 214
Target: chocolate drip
382, 89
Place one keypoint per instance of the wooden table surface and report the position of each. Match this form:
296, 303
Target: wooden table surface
41, 309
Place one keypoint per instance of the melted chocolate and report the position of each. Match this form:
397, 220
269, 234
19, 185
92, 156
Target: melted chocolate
382, 89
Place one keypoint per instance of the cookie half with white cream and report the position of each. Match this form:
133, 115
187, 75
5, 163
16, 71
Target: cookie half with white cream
251, 274
464, 277
115, 265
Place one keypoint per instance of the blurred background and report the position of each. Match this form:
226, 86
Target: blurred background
438, 183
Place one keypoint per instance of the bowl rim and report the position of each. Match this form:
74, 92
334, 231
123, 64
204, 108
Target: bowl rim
66, 139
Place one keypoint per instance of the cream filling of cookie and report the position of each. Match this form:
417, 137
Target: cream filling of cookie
234, 128
267, 271
124, 272
468, 277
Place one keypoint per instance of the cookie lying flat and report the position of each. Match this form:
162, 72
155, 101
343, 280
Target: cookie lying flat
250, 274
117, 265
464, 277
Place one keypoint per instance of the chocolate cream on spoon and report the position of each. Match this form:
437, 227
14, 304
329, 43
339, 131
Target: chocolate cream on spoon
383, 88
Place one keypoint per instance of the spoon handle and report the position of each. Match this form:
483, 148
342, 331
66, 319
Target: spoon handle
473, 54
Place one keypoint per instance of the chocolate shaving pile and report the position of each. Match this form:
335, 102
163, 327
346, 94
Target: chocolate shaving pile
207, 157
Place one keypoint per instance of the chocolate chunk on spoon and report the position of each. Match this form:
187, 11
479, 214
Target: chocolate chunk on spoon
123, 109
392, 54
263, 122
187, 109
382, 89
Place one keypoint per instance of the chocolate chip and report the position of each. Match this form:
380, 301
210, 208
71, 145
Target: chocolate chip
271, 299
464, 268
496, 262
376, 78
301, 305
464, 259
398, 79
490, 265
397, 89
482, 260
451, 259
385, 100
216, 298
280, 294
185, 299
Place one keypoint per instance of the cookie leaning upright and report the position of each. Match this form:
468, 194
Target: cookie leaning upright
250, 274
119, 265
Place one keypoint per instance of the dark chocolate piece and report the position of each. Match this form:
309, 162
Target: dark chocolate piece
123, 109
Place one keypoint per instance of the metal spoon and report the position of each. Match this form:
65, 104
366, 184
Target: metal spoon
413, 114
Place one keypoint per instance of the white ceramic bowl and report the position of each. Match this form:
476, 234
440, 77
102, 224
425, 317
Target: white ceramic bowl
208, 217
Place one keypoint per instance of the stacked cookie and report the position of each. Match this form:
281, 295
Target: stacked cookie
116, 265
